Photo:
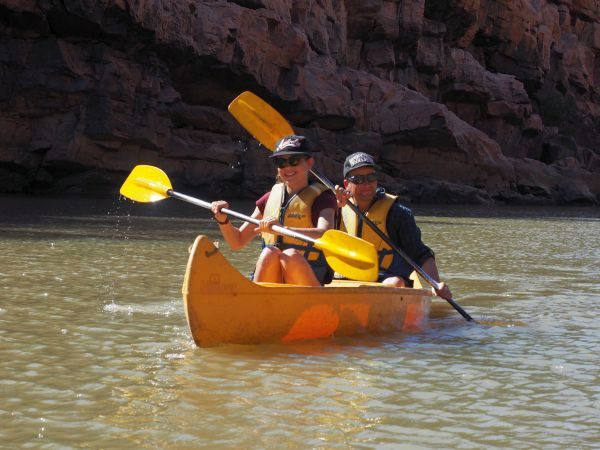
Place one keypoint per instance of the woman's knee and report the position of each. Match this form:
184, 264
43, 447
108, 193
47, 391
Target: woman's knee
292, 256
270, 252
269, 255
394, 282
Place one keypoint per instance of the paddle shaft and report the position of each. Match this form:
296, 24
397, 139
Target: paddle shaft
229, 212
395, 248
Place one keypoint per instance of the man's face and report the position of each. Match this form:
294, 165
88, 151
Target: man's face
362, 182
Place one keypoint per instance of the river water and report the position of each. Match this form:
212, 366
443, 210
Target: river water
95, 351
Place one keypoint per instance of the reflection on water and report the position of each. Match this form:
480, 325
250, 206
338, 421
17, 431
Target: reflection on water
95, 350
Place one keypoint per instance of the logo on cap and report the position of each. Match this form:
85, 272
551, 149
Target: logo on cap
289, 142
360, 158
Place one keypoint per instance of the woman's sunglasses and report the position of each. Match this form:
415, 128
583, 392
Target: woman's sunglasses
360, 179
292, 161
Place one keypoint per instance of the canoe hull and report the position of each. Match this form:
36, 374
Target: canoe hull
222, 306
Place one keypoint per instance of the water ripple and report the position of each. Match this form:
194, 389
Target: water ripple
95, 349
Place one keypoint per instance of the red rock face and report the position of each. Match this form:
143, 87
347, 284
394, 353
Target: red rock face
463, 101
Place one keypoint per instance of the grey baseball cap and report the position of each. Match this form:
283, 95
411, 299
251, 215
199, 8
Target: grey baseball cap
356, 160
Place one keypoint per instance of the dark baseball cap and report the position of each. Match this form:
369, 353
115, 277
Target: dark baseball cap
356, 160
291, 145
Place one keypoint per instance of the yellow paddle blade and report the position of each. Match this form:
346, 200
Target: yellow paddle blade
146, 184
260, 119
350, 256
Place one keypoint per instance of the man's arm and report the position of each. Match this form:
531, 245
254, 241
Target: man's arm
408, 238
430, 268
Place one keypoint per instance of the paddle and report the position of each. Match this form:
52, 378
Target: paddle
351, 256
265, 123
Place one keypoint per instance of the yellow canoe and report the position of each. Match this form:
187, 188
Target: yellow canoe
222, 306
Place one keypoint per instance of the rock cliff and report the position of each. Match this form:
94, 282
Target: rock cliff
460, 100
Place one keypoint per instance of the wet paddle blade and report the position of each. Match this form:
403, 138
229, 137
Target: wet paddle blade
350, 256
259, 119
146, 184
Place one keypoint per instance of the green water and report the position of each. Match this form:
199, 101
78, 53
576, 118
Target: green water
95, 350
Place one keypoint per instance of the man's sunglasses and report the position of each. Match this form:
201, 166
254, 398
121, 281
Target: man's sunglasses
293, 161
360, 179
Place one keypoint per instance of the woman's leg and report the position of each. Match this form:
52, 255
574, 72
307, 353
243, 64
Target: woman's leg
394, 282
268, 267
296, 270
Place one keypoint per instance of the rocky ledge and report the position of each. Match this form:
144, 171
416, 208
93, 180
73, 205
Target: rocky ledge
466, 101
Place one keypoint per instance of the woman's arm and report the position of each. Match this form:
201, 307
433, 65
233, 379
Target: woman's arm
324, 223
324, 210
237, 238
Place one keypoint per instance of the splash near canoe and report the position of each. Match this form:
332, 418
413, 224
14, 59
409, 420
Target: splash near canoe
224, 307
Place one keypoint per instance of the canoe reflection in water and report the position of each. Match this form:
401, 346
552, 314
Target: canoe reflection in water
222, 306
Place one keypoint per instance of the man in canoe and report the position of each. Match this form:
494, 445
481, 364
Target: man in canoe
394, 219
295, 204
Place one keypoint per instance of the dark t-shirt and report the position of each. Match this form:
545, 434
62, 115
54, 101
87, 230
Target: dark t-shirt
326, 200
404, 232
406, 235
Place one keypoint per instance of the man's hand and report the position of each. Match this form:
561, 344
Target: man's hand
444, 291
342, 196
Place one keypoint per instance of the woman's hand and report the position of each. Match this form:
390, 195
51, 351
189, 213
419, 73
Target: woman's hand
264, 225
341, 195
216, 207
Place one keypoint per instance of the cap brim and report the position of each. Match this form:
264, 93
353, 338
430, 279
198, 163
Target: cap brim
359, 165
288, 152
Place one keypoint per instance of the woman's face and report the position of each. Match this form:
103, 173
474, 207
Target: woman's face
293, 169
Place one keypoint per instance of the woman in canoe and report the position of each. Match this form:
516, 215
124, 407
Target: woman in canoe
394, 219
295, 204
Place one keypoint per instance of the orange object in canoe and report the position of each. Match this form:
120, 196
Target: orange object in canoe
222, 306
